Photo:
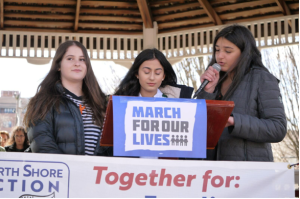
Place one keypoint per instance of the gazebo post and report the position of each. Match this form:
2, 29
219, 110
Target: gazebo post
150, 36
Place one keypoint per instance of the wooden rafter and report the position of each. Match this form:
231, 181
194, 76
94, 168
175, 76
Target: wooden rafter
186, 28
242, 5
33, 23
1, 13
109, 11
174, 8
39, 16
210, 12
110, 18
162, 2
59, 2
40, 8
284, 8
249, 13
214, 2
77, 15
198, 21
110, 3
109, 25
253, 19
70, 31
179, 15
145, 13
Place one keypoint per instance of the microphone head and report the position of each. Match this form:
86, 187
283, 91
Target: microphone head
217, 67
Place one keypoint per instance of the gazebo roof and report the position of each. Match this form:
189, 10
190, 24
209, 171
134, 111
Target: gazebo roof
128, 16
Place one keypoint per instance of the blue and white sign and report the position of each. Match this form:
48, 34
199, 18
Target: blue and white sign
159, 127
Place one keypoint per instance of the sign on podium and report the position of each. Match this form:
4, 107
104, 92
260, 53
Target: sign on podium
164, 127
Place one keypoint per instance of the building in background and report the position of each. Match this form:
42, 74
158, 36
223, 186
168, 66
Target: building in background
12, 109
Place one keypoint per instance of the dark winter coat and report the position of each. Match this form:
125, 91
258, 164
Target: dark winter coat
13, 148
61, 132
259, 119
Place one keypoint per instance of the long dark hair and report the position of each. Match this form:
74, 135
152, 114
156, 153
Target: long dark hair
250, 55
12, 139
130, 85
48, 94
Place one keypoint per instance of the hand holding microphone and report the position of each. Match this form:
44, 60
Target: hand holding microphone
209, 79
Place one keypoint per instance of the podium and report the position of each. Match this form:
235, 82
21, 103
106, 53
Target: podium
218, 112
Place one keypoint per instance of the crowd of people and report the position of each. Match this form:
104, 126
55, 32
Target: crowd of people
17, 142
66, 114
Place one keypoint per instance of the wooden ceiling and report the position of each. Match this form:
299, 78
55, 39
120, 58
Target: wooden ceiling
128, 16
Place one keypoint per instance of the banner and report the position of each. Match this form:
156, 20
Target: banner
159, 127
62, 176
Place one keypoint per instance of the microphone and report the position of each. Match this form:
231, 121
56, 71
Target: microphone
205, 82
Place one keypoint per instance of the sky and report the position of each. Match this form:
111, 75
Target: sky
19, 75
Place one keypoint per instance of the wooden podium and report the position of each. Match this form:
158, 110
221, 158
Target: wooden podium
218, 113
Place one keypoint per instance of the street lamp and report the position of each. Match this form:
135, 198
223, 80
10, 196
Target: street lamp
18, 107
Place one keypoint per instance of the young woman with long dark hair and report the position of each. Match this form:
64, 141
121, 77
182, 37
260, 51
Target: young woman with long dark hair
67, 112
258, 118
151, 75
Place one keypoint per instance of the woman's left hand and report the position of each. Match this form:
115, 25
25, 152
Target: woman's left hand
230, 121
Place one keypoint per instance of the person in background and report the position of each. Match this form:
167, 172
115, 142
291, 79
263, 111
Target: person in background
2, 149
18, 141
151, 75
258, 118
66, 114
5, 138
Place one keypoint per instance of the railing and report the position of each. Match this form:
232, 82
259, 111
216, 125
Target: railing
43, 45
199, 42
196, 42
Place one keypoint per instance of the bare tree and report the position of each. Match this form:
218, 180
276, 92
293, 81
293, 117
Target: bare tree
189, 70
283, 63
109, 84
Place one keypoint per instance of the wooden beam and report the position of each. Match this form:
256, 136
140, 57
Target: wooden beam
59, 2
191, 13
109, 11
145, 13
250, 13
184, 22
294, 6
44, 24
214, 2
77, 15
110, 18
186, 28
109, 25
54, 30
163, 2
1, 13
40, 9
210, 12
175, 8
283, 7
252, 19
242, 5
39, 16
110, 4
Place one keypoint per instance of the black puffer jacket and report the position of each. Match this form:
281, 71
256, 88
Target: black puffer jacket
259, 119
13, 148
61, 133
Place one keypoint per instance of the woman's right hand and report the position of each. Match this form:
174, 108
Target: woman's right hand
212, 75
